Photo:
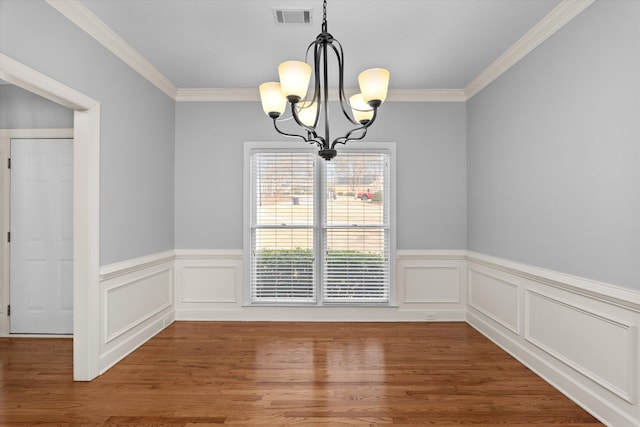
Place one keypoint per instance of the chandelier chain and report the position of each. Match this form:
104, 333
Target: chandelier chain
324, 16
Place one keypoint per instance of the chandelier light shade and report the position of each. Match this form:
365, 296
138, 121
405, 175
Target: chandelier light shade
373, 85
294, 79
307, 112
360, 109
309, 107
273, 101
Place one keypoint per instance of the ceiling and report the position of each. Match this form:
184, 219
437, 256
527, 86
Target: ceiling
235, 44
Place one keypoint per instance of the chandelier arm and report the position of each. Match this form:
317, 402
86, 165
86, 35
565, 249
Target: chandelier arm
362, 128
293, 135
312, 44
317, 93
337, 48
348, 137
342, 98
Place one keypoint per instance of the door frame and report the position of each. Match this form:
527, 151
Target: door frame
86, 214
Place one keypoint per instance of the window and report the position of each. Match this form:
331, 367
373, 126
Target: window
318, 232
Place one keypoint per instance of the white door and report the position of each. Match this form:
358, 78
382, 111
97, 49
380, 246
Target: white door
41, 242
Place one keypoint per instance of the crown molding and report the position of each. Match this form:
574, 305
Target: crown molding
426, 95
217, 94
80, 15
556, 19
252, 95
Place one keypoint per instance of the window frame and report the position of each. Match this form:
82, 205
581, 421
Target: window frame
251, 147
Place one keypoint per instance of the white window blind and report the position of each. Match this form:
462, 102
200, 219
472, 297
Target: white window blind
307, 249
282, 230
356, 232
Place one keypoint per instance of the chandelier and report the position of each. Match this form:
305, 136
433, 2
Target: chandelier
294, 84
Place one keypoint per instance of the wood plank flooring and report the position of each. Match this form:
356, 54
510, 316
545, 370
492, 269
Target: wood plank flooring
261, 374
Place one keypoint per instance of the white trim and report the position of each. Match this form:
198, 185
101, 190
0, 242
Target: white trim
86, 204
556, 19
252, 95
109, 289
623, 297
82, 16
144, 290
215, 291
426, 95
132, 265
33, 81
515, 327
208, 254
434, 254
137, 338
625, 393
217, 94
36, 133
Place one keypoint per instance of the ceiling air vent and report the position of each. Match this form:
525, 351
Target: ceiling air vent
292, 16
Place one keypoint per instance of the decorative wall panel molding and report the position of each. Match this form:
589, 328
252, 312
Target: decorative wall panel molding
495, 298
129, 303
136, 302
425, 284
583, 339
431, 287
580, 336
208, 282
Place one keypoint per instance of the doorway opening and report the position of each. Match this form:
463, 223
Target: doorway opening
86, 190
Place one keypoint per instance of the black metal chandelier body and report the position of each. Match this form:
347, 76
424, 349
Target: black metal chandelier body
306, 113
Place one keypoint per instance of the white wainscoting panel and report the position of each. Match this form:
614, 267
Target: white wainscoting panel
431, 286
583, 340
208, 284
136, 302
495, 298
130, 303
580, 336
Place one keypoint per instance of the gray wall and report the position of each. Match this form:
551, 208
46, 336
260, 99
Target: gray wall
554, 152
431, 171
542, 166
137, 126
20, 109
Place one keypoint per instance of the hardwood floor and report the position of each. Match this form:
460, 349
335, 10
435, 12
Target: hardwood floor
257, 374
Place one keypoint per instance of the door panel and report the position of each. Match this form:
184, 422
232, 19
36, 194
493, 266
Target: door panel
41, 248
